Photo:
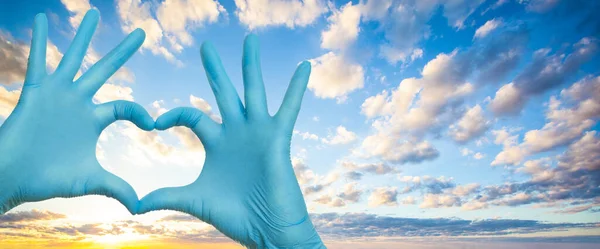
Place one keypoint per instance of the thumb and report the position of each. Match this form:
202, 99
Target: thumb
110, 112
171, 198
109, 185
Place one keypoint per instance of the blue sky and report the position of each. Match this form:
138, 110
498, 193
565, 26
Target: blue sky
470, 110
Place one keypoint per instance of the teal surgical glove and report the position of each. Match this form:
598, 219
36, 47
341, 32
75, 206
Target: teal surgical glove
48, 143
247, 188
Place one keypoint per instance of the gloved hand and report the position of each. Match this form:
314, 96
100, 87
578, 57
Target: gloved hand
247, 188
48, 143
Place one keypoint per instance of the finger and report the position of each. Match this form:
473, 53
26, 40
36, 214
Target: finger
230, 106
110, 112
201, 124
288, 112
96, 76
36, 66
254, 88
172, 198
109, 185
71, 61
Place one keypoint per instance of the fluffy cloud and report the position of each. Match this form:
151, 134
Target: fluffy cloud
186, 229
306, 135
78, 8
567, 119
110, 92
8, 101
341, 136
472, 125
571, 180
545, 72
395, 150
439, 200
343, 28
427, 184
14, 55
468, 152
333, 76
30, 216
373, 168
487, 28
383, 196
294, 13
173, 24
349, 194
417, 102
310, 182
201, 104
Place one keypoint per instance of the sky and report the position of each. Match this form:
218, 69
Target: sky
426, 124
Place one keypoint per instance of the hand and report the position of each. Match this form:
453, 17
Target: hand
247, 188
48, 143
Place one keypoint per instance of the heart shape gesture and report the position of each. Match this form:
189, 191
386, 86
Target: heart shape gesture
48, 143
247, 188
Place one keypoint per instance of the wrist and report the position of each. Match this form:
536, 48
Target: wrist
9, 190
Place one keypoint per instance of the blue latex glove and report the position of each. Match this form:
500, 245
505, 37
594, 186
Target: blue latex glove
48, 143
247, 188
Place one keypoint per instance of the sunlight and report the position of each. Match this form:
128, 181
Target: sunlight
109, 239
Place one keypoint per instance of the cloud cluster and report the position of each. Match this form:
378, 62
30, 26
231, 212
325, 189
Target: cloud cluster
544, 72
170, 22
331, 226
264, 13
568, 116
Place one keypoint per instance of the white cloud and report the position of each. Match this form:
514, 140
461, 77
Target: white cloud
440, 200
487, 28
567, 119
14, 55
111, 92
377, 105
396, 150
351, 193
333, 76
343, 27
292, 13
478, 155
8, 101
341, 136
201, 104
373, 168
546, 71
465, 190
78, 8
384, 196
174, 22
394, 55
310, 182
508, 100
375, 9
583, 154
418, 103
472, 125
306, 135
566, 123
179, 17
468, 152
409, 200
